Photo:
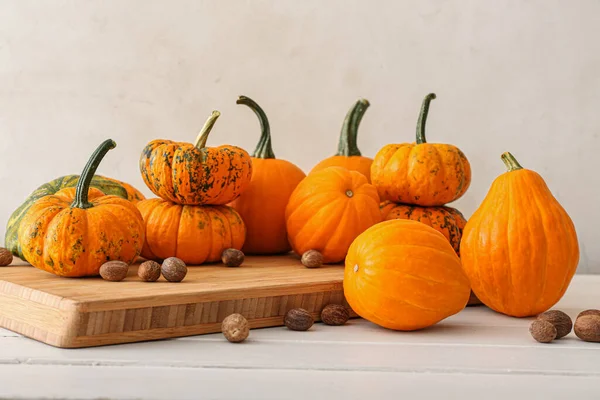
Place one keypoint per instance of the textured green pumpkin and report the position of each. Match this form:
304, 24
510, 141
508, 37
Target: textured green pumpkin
11, 240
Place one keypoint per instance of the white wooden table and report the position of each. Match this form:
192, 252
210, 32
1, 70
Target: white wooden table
476, 354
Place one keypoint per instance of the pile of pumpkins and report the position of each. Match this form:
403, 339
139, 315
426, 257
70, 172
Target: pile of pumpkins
410, 260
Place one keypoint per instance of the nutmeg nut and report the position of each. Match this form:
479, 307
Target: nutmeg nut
232, 257
589, 312
542, 331
335, 314
235, 328
312, 259
561, 321
298, 319
587, 328
114, 271
6, 257
149, 271
173, 269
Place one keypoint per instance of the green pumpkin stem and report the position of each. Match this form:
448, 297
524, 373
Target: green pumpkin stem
83, 184
208, 125
264, 149
348, 144
510, 161
423, 118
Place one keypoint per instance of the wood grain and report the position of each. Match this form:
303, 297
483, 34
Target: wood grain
85, 312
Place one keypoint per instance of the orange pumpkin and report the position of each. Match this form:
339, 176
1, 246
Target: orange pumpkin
520, 247
348, 155
262, 205
328, 210
74, 231
421, 173
404, 275
193, 174
447, 220
195, 234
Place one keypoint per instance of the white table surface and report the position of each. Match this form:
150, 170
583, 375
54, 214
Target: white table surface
477, 354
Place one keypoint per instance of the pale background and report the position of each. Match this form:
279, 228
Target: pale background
522, 76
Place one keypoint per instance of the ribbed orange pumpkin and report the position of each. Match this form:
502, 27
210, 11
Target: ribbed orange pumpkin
193, 174
328, 210
424, 174
74, 231
404, 275
348, 155
195, 234
520, 247
262, 205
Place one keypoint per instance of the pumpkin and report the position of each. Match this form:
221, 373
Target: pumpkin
328, 210
447, 220
194, 174
133, 194
195, 234
76, 230
262, 205
404, 275
520, 247
421, 173
348, 155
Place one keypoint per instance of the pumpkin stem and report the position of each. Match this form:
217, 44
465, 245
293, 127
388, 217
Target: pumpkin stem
423, 118
348, 145
208, 125
83, 184
510, 161
264, 149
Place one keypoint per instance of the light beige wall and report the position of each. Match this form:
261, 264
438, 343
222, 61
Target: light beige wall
522, 76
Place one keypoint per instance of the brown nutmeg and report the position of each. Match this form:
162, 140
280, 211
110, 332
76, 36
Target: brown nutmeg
232, 257
235, 328
589, 312
542, 331
312, 259
587, 328
6, 257
335, 314
149, 271
173, 269
561, 321
114, 271
298, 319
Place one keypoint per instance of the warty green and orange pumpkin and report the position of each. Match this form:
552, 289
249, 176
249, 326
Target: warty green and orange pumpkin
262, 205
519, 249
421, 173
193, 174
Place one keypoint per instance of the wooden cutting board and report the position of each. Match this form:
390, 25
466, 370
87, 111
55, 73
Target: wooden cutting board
85, 312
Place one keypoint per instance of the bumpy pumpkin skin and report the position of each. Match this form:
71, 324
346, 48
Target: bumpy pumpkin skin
328, 210
447, 220
520, 247
404, 275
195, 234
193, 174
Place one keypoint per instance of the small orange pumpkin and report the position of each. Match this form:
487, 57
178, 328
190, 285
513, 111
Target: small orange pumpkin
194, 234
404, 275
348, 155
520, 247
74, 231
262, 205
424, 174
328, 210
194, 174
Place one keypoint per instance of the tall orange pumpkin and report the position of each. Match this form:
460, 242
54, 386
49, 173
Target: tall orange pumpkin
348, 155
74, 231
421, 173
328, 210
520, 247
194, 174
195, 234
404, 275
262, 205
